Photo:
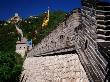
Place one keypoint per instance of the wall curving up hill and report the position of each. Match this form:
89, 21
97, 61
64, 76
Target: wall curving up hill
60, 39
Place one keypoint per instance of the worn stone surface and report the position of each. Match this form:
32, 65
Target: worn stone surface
61, 68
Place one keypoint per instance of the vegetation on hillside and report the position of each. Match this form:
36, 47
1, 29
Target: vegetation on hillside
8, 38
32, 26
10, 62
10, 66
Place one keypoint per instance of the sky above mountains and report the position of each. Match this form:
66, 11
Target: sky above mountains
27, 8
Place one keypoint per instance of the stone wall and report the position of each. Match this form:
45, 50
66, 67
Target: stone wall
60, 68
57, 68
87, 48
60, 38
73, 33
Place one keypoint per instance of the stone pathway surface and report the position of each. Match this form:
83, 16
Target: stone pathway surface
61, 68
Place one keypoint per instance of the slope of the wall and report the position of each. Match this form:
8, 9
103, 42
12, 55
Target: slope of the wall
60, 39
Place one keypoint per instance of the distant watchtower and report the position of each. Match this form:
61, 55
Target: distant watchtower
15, 19
21, 47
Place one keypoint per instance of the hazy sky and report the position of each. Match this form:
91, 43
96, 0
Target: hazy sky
34, 7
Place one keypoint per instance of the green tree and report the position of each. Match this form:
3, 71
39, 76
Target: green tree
10, 66
8, 37
10, 62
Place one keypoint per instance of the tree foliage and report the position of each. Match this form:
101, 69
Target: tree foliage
10, 62
10, 67
8, 37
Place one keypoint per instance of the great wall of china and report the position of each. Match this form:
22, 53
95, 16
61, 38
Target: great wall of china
49, 62
76, 51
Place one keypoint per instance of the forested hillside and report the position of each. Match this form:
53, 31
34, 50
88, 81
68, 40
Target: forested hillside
32, 27
10, 62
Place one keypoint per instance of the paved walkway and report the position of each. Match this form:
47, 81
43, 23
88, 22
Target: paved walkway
61, 68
